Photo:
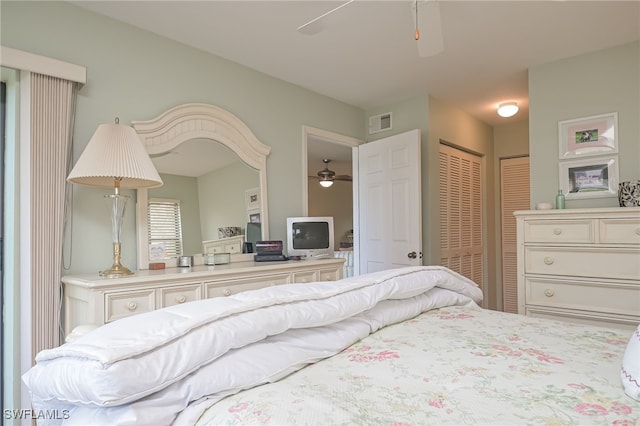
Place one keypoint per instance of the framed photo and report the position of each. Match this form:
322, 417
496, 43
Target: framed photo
595, 177
252, 198
254, 217
596, 135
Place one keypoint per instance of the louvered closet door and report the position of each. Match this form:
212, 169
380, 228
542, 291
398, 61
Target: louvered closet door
461, 213
514, 195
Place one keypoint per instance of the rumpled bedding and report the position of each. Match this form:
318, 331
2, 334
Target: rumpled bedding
146, 369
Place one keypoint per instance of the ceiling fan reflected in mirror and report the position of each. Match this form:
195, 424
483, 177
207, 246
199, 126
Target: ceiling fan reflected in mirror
427, 31
327, 177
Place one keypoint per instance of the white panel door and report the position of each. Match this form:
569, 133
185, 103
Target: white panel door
389, 203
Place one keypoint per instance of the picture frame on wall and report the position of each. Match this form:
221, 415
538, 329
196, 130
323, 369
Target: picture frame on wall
594, 177
252, 198
588, 136
254, 217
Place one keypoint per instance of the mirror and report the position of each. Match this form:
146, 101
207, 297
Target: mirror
221, 154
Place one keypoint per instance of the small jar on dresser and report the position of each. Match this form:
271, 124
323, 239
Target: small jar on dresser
580, 265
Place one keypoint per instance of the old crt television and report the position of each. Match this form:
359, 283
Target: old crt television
310, 237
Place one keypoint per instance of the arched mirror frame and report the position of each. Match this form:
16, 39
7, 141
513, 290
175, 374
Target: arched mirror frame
198, 121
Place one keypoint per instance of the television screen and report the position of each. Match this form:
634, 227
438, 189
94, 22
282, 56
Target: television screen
310, 235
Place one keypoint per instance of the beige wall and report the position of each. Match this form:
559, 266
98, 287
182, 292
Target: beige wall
592, 84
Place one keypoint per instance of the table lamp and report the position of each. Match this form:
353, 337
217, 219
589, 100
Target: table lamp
115, 158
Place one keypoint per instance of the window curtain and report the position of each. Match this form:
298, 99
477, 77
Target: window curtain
52, 119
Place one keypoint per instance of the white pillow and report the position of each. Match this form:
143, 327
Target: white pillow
630, 371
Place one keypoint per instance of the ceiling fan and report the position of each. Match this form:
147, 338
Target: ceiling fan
426, 15
327, 177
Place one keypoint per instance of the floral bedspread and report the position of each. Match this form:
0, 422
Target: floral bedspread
454, 365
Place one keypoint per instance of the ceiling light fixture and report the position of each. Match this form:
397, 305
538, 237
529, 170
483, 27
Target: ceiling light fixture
326, 183
326, 176
508, 109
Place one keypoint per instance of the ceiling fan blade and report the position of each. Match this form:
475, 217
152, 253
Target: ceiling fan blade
428, 20
314, 26
345, 178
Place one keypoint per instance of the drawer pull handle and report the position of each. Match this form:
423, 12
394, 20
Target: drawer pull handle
132, 306
548, 292
557, 231
226, 292
548, 260
181, 299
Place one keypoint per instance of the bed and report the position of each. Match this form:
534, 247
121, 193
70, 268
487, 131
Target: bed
408, 346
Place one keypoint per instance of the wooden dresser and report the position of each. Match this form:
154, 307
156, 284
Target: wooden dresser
580, 265
93, 300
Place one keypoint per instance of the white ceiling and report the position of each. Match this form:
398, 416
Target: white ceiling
366, 55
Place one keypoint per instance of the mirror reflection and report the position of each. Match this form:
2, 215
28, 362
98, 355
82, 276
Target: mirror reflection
217, 197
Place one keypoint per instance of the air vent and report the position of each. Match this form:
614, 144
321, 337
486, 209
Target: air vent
379, 123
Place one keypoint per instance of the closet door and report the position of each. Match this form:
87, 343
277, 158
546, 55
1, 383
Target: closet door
514, 195
461, 213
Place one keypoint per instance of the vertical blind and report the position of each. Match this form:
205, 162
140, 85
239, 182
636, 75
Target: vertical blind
52, 117
165, 225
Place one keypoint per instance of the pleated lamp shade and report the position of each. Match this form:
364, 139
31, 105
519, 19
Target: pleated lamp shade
115, 152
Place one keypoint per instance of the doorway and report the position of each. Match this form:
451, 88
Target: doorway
334, 200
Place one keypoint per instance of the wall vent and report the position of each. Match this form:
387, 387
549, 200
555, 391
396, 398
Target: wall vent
379, 123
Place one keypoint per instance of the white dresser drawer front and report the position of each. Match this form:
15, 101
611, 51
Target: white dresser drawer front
620, 231
233, 248
305, 276
170, 296
589, 318
591, 296
227, 288
619, 263
120, 305
330, 274
560, 231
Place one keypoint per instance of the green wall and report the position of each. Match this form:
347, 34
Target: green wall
592, 84
136, 75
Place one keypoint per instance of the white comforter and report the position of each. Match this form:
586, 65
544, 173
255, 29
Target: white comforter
148, 368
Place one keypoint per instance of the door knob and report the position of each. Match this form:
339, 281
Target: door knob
412, 255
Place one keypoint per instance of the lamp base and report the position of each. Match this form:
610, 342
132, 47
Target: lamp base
116, 270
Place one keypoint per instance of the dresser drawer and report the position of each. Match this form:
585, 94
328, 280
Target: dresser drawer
560, 231
227, 288
618, 263
330, 274
305, 276
620, 231
233, 247
586, 296
120, 305
609, 321
170, 296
